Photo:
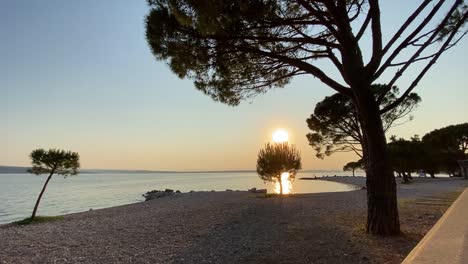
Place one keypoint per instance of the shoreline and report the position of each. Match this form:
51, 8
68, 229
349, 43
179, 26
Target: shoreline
356, 182
67, 205
229, 227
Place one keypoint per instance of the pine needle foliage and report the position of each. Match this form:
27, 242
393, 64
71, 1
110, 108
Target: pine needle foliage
58, 161
277, 158
52, 161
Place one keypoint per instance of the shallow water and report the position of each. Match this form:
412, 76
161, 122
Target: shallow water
18, 192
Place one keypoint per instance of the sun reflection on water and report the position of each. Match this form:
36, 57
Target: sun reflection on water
286, 181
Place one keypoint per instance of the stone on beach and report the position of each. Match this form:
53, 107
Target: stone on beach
255, 190
155, 194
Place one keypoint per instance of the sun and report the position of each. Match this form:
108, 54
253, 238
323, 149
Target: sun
280, 136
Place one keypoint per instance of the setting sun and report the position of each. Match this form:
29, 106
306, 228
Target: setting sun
280, 136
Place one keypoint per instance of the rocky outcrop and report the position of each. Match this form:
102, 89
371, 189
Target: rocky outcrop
156, 194
255, 190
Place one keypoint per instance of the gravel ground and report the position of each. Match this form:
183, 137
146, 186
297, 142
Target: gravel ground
232, 227
423, 186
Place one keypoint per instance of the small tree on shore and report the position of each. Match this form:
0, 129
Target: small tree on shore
276, 159
52, 161
353, 165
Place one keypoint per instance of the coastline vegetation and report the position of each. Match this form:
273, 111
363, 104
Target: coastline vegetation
235, 50
38, 219
279, 163
52, 161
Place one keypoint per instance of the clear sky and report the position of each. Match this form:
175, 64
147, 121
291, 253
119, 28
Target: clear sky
79, 75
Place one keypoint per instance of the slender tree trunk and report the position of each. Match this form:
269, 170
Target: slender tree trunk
432, 174
281, 187
382, 210
353, 172
40, 195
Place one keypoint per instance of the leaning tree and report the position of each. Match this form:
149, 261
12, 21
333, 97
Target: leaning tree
276, 160
235, 49
52, 161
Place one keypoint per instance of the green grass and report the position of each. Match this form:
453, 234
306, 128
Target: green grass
38, 219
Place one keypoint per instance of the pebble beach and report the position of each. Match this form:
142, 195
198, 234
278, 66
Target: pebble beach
232, 227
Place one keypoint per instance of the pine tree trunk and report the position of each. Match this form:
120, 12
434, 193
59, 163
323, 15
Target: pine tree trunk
382, 210
40, 196
281, 185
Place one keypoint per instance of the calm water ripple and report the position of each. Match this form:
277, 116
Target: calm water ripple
18, 192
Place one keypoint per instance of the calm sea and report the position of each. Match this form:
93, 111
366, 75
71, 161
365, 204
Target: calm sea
18, 192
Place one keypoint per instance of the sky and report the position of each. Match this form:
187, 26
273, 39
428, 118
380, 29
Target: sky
79, 75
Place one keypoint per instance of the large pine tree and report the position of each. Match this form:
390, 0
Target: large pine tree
239, 48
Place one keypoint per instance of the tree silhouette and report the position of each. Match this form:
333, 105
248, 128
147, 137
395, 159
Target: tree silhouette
52, 161
451, 143
405, 156
353, 165
237, 49
335, 121
278, 158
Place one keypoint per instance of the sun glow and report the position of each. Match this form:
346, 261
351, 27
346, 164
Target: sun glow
286, 182
280, 136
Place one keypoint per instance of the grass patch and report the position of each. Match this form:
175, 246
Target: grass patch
38, 219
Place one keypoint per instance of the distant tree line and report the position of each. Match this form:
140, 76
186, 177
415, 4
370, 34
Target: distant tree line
437, 151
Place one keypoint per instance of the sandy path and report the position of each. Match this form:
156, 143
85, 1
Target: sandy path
229, 227
419, 187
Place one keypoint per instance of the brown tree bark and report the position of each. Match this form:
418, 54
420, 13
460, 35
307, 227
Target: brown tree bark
40, 195
382, 209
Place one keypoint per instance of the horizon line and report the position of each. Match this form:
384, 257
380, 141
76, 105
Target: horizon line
94, 170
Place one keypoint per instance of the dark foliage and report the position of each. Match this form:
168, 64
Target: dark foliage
353, 165
451, 143
275, 159
53, 161
240, 48
335, 121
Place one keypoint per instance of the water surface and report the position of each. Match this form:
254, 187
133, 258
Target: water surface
18, 192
